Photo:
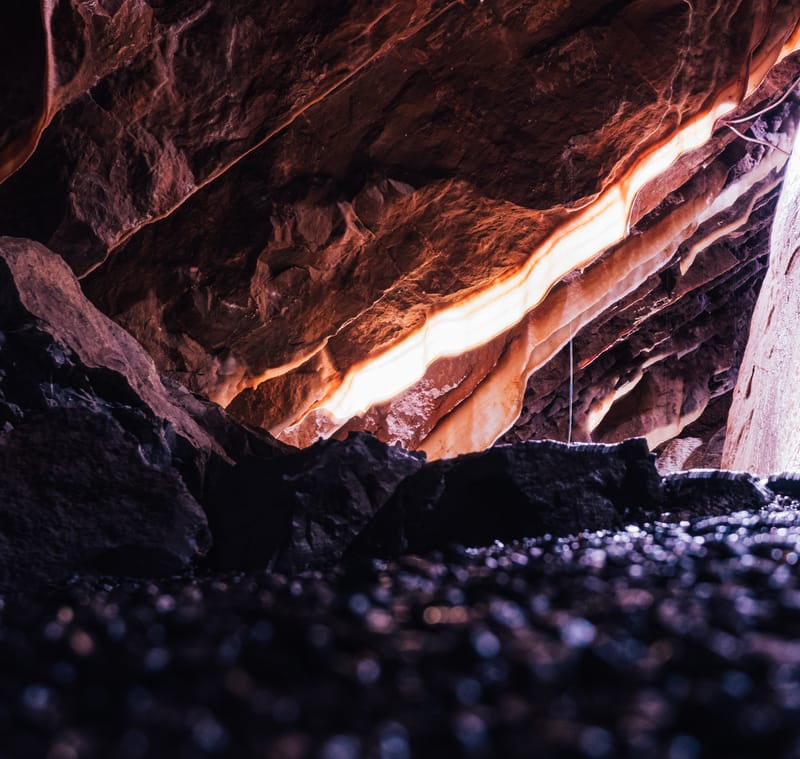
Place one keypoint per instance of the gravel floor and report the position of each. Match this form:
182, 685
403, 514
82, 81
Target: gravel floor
669, 640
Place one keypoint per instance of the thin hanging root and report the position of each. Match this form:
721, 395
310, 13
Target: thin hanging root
755, 140
767, 109
571, 386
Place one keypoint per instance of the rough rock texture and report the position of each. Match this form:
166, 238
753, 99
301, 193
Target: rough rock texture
652, 363
359, 498
269, 198
303, 510
786, 484
658, 324
147, 101
278, 202
528, 489
762, 426
700, 444
546, 487
714, 492
106, 468
90, 441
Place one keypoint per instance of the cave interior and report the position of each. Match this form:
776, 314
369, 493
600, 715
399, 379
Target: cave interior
412, 378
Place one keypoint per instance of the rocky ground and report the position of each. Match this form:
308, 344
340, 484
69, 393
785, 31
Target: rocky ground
670, 639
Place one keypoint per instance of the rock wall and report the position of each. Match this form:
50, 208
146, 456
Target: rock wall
106, 467
762, 432
288, 204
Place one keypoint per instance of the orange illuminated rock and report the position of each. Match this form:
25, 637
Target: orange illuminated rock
147, 102
394, 219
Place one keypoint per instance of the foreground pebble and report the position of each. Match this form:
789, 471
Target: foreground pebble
667, 640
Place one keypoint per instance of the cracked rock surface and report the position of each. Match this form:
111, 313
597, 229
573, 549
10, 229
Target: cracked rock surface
265, 197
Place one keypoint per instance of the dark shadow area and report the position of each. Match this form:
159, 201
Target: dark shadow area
22, 70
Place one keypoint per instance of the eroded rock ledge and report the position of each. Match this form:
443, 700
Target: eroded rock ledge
262, 201
108, 468
268, 198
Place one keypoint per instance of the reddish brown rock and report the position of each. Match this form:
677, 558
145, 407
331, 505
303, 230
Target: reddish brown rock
150, 101
684, 350
654, 310
104, 466
274, 198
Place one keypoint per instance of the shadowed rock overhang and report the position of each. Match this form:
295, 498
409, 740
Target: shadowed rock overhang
442, 222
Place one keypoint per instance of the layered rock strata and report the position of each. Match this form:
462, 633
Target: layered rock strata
107, 468
309, 214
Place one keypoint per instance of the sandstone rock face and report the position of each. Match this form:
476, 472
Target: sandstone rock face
656, 334
148, 101
763, 423
446, 223
288, 205
105, 467
652, 363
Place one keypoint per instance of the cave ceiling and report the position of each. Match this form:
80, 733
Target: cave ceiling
447, 223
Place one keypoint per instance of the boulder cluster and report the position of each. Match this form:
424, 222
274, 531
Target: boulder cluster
110, 467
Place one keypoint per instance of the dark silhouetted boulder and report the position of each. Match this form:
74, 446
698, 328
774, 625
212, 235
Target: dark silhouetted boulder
517, 491
303, 510
786, 484
90, 439
701, 492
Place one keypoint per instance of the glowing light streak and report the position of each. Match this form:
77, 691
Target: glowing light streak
723, 231
582, 237
497, 402
499, 307
726, 199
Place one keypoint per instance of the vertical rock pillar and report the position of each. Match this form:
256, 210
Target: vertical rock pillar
764, 423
